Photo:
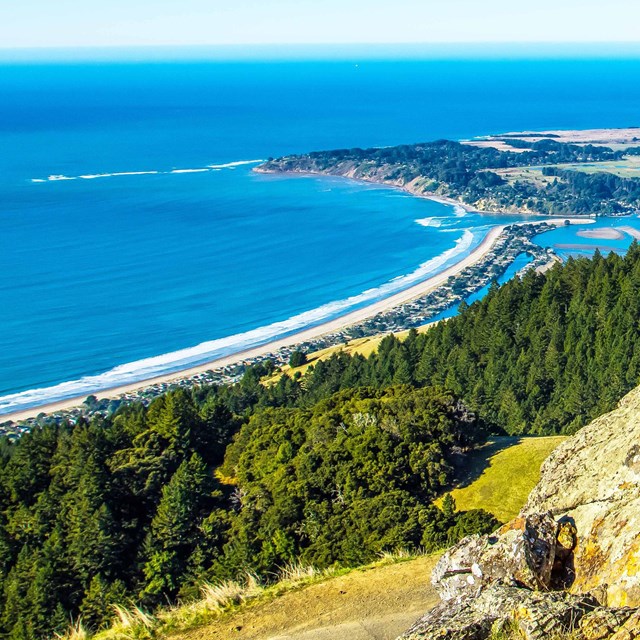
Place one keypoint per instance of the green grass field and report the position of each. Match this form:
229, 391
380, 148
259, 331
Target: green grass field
628, 167
499, 476
532, 175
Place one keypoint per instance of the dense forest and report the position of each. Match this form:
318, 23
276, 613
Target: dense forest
127, 509
468, 172
329, 468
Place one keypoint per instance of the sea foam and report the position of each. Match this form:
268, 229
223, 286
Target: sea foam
119, 174
233, 165
429, 222
214, 349
459, 211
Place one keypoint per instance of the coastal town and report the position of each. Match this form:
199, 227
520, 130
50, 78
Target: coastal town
513, 241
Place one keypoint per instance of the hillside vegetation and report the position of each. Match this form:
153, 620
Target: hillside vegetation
329, 469
376, 601
474, 175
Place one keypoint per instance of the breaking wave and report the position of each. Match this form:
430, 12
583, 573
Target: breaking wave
429, 222
459, 211
120, 174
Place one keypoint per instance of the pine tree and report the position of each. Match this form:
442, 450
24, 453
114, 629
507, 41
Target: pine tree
172, 532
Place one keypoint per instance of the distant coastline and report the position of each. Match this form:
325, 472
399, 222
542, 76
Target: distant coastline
567, 173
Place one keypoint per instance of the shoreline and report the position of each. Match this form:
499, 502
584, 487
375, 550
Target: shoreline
406, 188
341, 322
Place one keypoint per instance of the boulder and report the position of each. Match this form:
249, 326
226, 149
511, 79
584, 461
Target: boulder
534, 614
569, 563
521, 553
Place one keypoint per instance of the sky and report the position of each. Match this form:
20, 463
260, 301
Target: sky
126, 23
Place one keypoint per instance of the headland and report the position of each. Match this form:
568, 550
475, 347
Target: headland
570, 173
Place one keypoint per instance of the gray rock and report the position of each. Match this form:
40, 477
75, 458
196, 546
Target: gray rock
569, 563
592, 481
521, 553
534, 614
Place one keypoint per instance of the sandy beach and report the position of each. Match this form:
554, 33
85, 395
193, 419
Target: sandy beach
416, 291
608, 233
634, 233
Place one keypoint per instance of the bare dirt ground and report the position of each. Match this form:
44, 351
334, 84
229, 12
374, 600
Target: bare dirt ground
374, 604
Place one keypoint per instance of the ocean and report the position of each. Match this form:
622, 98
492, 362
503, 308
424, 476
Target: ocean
136, 239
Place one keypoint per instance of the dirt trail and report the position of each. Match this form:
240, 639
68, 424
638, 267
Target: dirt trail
373, 604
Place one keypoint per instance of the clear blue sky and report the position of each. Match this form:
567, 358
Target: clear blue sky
74, 23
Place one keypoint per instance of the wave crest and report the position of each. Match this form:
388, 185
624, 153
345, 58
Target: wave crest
119, 174
211, 350
429, 222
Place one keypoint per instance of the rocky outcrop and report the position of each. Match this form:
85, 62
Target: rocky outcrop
533, 614
569, 563
592, 481
521, 553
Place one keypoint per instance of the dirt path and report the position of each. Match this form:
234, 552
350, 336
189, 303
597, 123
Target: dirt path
373, 604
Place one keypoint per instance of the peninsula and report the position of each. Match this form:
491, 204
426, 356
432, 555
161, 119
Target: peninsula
594, 172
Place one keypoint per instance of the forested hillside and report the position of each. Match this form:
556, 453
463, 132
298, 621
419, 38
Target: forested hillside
329, 468
128, 509
542, 355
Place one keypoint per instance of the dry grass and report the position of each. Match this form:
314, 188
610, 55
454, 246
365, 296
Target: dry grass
385, 597
214, 600
297, 572
361, 346
130, 624
218, 599
75, 632
400, 555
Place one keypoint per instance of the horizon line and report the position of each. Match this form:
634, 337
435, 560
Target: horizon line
288, 51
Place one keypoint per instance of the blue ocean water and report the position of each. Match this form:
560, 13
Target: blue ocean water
190, 246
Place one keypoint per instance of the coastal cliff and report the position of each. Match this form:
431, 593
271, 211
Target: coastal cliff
569, 563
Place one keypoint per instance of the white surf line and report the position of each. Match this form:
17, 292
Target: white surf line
184, 359
119, 174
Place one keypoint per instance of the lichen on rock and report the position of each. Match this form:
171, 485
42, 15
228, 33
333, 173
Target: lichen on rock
592, 480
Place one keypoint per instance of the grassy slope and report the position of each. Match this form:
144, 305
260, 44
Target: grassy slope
500, 475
